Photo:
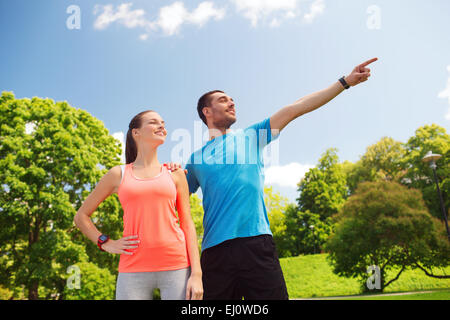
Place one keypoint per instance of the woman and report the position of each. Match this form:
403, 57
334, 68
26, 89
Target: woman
156, 251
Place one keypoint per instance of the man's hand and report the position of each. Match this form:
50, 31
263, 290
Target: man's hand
360, 73
171, 166
317, 99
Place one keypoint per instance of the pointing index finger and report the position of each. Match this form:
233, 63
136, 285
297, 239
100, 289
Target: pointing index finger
368, 62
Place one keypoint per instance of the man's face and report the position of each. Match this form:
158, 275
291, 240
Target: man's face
221, 112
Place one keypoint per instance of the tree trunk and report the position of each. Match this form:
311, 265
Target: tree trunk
33, 290
33, 237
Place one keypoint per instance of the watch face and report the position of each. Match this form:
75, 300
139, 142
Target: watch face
103, 237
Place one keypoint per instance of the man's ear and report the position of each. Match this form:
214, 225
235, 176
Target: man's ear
206, 111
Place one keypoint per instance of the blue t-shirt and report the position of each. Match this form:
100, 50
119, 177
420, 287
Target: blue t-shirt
230, 171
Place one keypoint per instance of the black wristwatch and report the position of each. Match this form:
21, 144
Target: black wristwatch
344, 83
101, 240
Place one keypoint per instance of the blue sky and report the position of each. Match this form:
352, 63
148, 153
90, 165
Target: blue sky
162, 55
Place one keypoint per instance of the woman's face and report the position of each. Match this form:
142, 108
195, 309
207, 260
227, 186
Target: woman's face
152, 129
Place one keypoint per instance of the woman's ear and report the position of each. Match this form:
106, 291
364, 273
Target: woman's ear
134, 132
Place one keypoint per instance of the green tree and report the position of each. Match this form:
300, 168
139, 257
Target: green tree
276, 206
197, 216
387, 225
51, 156
94, 283
300, 238
383, 160
419, 174
323, 190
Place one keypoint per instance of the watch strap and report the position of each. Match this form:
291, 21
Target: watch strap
344, 83
101, 240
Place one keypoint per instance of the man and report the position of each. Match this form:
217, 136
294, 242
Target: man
238, 258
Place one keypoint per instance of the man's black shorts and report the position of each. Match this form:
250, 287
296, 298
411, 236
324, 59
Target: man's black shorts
243, 268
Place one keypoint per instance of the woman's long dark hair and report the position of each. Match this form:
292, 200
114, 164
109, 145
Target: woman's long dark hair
130, 146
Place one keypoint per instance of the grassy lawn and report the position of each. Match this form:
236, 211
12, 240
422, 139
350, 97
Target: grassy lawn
436, 295
312, 276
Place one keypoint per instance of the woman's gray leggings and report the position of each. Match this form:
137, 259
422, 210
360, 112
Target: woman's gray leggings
140, 285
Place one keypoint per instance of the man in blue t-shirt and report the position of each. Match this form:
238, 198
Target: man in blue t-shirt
239, 259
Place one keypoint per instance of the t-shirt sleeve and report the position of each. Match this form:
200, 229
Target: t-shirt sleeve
191, 178
263, 133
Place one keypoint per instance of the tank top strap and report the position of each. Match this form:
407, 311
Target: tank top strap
122, 168
166, 171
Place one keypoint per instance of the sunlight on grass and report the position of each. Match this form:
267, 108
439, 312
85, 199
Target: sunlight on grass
312, 276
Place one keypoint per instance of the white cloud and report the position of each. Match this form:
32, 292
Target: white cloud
316, 9
445, 94
274, 23
286, 176
169, 21
204, 12
172, 17
143, 36
255, 10
123, 14
121, 137
290, 15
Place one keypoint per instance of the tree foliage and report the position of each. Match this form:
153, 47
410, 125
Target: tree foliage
381, 161
324, 189
391, 160
197, 216
305, 232
419, 174
94, 283
276, 206
387, 225
51, 156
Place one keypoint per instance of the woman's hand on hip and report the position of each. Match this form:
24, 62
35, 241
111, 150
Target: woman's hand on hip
120, 246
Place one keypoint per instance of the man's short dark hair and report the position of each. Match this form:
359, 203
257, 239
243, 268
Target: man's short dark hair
204, 102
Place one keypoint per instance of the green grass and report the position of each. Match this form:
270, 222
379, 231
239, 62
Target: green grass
312, 276
436, 295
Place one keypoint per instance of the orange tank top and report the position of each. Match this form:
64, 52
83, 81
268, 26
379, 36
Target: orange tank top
149, 212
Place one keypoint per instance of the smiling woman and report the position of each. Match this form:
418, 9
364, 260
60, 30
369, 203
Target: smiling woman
159, 245
141, 119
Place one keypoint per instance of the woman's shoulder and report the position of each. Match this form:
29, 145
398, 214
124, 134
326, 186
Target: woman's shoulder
114, 175
178, 174
116, 170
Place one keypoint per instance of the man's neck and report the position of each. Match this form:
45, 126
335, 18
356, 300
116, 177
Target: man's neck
217, 132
